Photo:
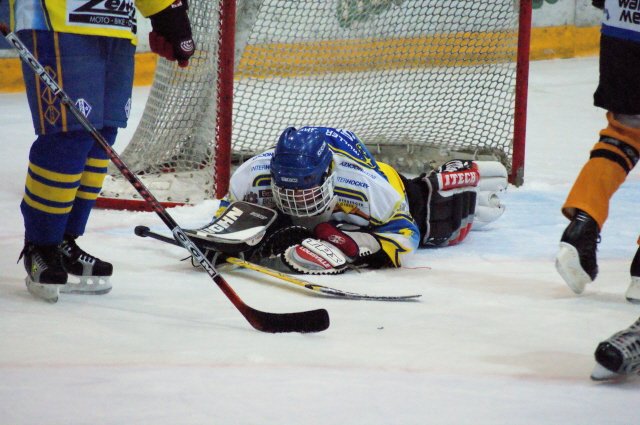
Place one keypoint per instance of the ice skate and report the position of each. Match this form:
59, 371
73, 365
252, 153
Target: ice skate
619, 356
576, 259
45, 273
633, 292
87, 274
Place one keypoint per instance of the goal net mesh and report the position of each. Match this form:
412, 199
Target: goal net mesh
419, 81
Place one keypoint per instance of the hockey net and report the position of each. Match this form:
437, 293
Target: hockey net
419, 81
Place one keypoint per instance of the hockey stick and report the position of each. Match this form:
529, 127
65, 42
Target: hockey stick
144, 231
306, 321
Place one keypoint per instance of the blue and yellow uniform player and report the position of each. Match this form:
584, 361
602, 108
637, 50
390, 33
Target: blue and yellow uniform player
358, 212
88, 47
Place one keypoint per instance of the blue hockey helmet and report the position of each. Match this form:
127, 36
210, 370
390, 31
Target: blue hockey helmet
301, 172
301, 159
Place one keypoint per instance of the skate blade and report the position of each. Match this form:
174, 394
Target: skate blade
87, 285
568, 265
601, 373
45, 292
633, 292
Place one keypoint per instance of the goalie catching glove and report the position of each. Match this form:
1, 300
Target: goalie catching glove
334, 250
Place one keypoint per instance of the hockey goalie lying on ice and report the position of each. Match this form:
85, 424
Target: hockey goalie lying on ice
337, 208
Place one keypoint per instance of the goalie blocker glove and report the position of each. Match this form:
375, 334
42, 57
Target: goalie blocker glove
452, 202
171, 35
239, 231
334, 250
448, 201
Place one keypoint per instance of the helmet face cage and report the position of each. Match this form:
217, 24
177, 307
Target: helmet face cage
304, 202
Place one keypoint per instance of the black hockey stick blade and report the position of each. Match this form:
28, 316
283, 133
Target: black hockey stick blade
303, 322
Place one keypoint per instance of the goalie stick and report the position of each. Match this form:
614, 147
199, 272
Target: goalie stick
144, 231
305, 321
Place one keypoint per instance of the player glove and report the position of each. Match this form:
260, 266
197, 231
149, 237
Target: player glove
451, 207
277, 241
171, 35
598, 3
362, 248
462, 193
333, 250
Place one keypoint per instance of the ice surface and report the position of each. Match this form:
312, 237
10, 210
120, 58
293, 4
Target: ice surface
496, 339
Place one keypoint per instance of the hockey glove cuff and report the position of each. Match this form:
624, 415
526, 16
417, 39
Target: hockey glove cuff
171, 35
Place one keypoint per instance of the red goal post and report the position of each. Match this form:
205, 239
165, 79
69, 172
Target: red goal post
419, 81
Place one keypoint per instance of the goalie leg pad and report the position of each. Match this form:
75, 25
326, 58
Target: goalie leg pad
314, 256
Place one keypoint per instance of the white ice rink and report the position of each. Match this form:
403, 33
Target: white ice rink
496, 339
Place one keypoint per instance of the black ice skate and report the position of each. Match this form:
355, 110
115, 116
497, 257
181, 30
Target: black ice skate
619, 356
633, 292
91, 275
45, 273
576, 259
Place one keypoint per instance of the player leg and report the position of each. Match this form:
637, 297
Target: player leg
48, 197
587, 205
56, 160
633, 291
88, 273
610, 161
91, 274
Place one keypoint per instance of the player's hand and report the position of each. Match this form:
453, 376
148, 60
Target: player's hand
362, 248
171, 35
313, 256
276, 242
334, 250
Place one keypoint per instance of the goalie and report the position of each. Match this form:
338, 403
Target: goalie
339, 208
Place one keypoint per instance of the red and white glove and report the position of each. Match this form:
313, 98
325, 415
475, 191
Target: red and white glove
171, 35
333, 250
